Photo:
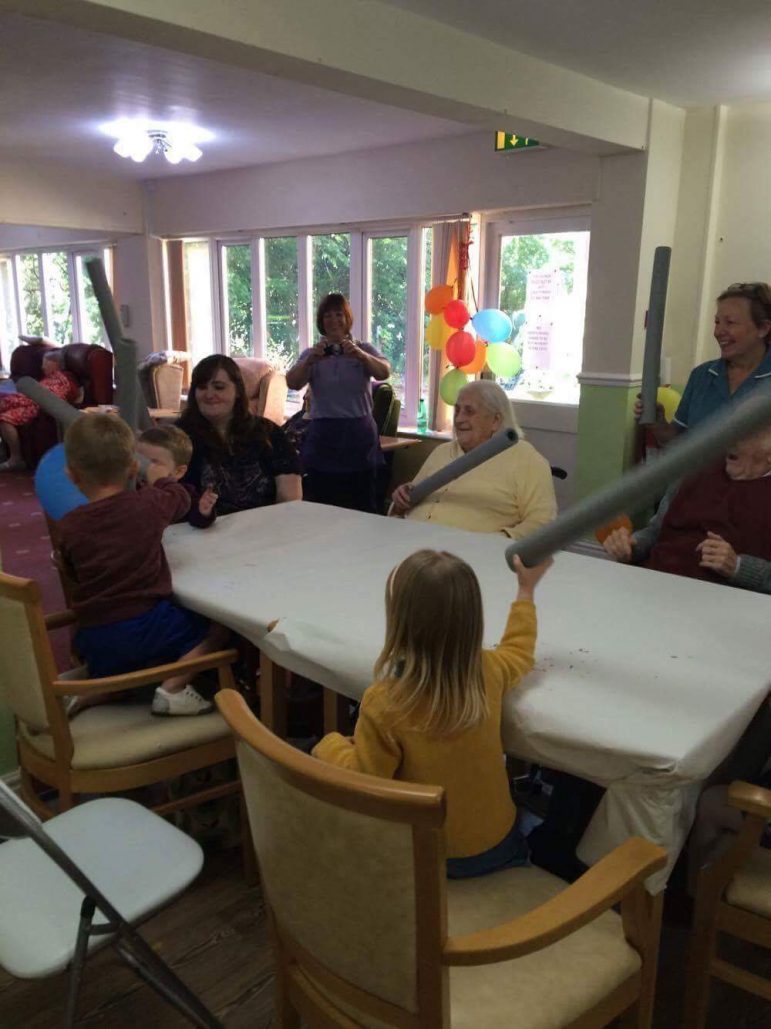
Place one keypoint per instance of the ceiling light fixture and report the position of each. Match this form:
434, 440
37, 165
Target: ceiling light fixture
137, 140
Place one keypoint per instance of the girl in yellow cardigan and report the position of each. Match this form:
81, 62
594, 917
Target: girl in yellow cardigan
433, 714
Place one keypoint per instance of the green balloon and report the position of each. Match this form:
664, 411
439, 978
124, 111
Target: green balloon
503, 360
451, 385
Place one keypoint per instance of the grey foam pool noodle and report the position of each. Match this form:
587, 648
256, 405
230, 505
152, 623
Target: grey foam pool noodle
131, 403
653, 334
64, 413
685, 456
502, 440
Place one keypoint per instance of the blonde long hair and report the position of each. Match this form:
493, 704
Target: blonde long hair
432, 656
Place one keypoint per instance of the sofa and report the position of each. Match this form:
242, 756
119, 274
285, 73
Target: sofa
90, 365
266, 388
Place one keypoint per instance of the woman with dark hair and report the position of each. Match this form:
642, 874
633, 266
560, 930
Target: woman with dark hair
247, 461
341, 449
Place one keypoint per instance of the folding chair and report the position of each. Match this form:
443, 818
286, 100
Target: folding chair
111, 859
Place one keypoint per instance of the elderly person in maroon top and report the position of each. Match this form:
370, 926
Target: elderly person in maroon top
121, 584
341, 448
715, 525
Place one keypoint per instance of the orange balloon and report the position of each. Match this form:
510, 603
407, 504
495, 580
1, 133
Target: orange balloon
438, 298
478, 361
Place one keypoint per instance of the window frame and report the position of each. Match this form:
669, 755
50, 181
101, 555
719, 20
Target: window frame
102, 248
538, 221
359, 278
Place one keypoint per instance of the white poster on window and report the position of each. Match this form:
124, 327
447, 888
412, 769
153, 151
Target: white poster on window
544, 291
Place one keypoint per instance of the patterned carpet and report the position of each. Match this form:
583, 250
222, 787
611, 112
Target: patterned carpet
25, 548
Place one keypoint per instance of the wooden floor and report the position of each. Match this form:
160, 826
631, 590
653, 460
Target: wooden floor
215, 938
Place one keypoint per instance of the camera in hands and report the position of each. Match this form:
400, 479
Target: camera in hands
334, 349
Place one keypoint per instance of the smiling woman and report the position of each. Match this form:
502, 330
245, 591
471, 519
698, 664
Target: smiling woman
510, 493
743, 334
246, 460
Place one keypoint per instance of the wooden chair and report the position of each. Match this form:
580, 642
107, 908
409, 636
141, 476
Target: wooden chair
733, 896
109, 747
367, 931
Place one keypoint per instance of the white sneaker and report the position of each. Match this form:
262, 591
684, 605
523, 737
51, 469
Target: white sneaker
187, 702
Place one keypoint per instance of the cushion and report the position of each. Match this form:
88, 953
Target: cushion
750, 888
110, 735
551, 987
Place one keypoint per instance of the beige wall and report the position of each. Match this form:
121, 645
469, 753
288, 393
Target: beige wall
56, 197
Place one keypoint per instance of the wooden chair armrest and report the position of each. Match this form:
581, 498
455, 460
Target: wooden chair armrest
753, 800
597, 890
132, 680
59, 619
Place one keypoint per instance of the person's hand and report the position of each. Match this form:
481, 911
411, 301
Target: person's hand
528, 578
206, 504
717, 555
351, 349
317, 351
660, 416
619, 545
400, 498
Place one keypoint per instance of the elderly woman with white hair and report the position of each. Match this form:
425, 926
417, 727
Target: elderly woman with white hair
511, 493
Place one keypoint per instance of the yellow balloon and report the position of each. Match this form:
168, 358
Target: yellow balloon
438, 332
669, 399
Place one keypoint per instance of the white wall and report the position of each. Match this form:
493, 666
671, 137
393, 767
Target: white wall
138, 283
57, 197
436, 178
723, 222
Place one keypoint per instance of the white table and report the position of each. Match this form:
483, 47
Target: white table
644, 682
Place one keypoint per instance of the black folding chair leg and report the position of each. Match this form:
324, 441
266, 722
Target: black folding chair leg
87, 909
140, 956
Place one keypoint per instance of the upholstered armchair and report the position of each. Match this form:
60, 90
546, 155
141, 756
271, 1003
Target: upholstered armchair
266, 388
91, 365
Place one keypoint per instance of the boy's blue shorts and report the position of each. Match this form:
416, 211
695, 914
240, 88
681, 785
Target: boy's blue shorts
163, 634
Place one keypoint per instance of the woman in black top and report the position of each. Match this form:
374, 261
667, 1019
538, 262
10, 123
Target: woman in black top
246, 460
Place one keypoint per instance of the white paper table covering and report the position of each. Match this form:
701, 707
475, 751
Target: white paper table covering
643, 682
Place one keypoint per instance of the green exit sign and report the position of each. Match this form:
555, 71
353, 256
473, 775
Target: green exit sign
506, 141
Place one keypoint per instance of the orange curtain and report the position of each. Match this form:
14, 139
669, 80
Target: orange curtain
178, 316
449, 239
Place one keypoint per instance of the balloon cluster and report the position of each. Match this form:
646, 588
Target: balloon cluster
447, 330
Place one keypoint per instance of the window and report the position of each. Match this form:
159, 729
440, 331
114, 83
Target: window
237, 299
91, 325
538, 277
331, 264
281, 300
9, 323
198, 306
31, 298
261, 296
56, 278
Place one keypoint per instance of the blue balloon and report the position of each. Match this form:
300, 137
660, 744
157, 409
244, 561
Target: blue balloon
492, 325
56, 493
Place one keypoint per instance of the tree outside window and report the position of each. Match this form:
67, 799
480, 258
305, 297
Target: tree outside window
331, 266
57, 286
31, 298
237, 282
388, 303
283, 344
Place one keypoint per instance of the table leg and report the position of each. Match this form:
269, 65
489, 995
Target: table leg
273, 696
336, 712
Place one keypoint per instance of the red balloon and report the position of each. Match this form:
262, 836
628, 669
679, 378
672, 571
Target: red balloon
461, 348
456, 314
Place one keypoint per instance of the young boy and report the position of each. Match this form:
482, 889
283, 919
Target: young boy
167, 451
122, 584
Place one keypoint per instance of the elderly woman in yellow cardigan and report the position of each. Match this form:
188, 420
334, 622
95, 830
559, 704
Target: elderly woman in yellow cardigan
511, 493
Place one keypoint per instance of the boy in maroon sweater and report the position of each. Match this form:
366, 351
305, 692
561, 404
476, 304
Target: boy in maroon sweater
122, 584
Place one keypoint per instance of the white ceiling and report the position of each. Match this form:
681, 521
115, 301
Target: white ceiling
58, 84
688, 52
